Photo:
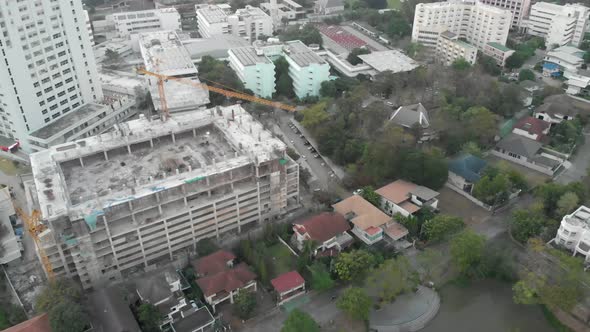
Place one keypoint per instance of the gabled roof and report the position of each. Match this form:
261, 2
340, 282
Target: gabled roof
228, 280
361, 213
424, 193
36, 324
468, 167
214, 263
397, 191
533, 126
410, 115
287, 281
520, 145
324, 226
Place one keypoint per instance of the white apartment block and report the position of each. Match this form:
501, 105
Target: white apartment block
449, 48
498, 52
560, 25
89, 28
47, 66
574, 232
131, 23
146, 192
307, 69
473, 21
254, 69
519, 9
249, 23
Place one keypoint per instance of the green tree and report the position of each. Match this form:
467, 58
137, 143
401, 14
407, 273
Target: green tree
10, 315
353, 265
492, 190
298, 321
355, 303
206, 246
149, 317
411, 223
284, 86
308, 34
429, 261
489, 65
314, 115
586, 57
567, 203
526, 224
516, 60
533, 288
480, 124
526, 74
369, 194
460, 64
328, 89
353, 56
320, 277
441, 226
293, 154
219, 74
467, 251
472, 148
392, 278
112, 59
426, 168
61, 299
244, 304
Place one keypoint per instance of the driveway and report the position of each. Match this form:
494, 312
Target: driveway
579, 164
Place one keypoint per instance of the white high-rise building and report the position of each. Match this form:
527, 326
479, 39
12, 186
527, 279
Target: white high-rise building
250, 22
47, 65
559, 25
474, 21
89, 27
519, 8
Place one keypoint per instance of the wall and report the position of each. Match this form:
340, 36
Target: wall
524, 162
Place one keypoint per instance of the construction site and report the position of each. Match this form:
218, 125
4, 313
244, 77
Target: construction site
144, 193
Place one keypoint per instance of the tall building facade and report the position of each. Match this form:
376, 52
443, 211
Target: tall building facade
132, 23
473, 21
519, 8
559, 25
47, 65
249, 23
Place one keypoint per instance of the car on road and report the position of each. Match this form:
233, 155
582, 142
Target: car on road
310, 148
323, 164
316, 155
300, 135
389, 104
306, 143
357, 192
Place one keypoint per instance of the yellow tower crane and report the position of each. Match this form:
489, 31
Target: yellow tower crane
164, 107
34, 227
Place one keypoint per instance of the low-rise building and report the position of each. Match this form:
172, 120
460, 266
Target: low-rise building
558, 108
288, 286
406, 198
307, 69
9, 241
38, 323
465, 171
220, 279
411, 116
286, 10
250, 22
532, 128
328, 7
131, 23
327, 230
567, 61
365, 28
254, 69
449, 48
374, 63
574, 232
498, 52
192, 319
529, 153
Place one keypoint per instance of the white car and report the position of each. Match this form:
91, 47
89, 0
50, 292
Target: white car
357, 192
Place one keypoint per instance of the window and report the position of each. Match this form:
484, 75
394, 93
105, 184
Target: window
53, 107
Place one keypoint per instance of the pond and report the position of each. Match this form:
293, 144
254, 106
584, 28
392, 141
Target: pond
484, 306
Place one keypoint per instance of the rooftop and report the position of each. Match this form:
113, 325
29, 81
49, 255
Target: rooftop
448, 34
392, 60
301, 54
251, 11
533, 126
155, 287
397, 191
179, 96
287, 281
163, 52
361, 213
213, 14
520, 145
66, 121
468, 167
411, 115
143, 156
396, 231
110, 313
228, 280
563, 104
217, 47
249, 56
143, 14
499, 47
194, 320
36, 324
323, 226
580, 217
567, 53
213, 263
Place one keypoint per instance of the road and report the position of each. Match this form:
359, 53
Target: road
579, 164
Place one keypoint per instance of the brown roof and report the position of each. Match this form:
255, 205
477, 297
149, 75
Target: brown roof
36, 324
214, 263
396, 231
533, 126
323, 227
228, 280
360, 212
409, 206
397, 191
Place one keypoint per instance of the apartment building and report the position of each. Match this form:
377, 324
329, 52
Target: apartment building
146, 192
519, 9
48, 68
559, 25
254, 69
449, 48
473, 21
574, 232
131, 23
249, 23
307, 69
285, 9
89, 28
498, 52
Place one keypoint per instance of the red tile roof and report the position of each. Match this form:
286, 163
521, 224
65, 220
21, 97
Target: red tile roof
287, 281
214, 263
533, 126
36, 324
323, 227
228, 280
397, 191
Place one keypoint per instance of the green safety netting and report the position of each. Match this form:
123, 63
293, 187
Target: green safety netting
91, 218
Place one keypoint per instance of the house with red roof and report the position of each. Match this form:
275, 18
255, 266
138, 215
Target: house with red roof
36, 324
532, 128
220, 278
406, 198
328, 230
288, 286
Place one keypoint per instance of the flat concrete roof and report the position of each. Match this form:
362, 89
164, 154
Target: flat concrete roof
301, 54
163, 52
78, 180
67, 120
217, 47
392, 60
179, 96
247, 56
213, 14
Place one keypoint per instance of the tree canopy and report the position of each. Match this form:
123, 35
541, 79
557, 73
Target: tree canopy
308, 34
149, 317
298, 321
244, 304
441, 226
61, 300
467, 250
526, 74
353, 56
218, 73
284, 85
314, 115
355, 302
392, 278
353, 265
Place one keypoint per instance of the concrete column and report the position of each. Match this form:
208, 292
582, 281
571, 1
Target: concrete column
258, 195
129, 148
160, 208
151, 143
192, 224
215, 216
158, 197
145, 264
81, 161
173, 138
110, 237
194, 132
167, 237
106, 155
238, 214
130, 205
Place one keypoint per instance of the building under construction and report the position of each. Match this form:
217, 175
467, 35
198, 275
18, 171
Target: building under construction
149, 190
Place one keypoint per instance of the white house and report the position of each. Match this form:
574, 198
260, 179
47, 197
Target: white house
574, 232
406, 198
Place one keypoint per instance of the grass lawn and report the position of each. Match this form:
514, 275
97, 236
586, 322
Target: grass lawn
394, 4
282, 259
7, 167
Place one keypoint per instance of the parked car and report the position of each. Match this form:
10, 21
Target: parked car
316, 155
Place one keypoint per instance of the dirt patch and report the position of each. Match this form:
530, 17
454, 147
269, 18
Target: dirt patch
533, 177
451, 203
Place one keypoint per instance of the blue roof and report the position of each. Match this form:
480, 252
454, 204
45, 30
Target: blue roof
550, 65
468, 167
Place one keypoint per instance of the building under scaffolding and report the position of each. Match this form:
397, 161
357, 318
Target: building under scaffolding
149, 190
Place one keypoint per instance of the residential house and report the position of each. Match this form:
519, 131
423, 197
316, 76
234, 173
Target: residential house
465, 171
109, 311
288, 286
527, 152
532, 128
410, 116
38, 323
369, 222
567, 61
327, 230
574, 232
192, 319
164, 289
328, 7
406, 198
557, 108
221, 279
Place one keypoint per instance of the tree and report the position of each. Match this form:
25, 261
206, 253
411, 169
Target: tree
492, 190
300, 321
218, 73
68, 316
392, 278
480, 124
353, 56
516, 60
489, 65
308, 34
112, 59
526, 224
563, 293
314, 115
149, 317
320, 277
355, 303
328, 89
526, 74
353, 265
441, 226
244, 304
460, 64
293, 154
411, 223
369, 194
467, 251
10, 315
472, 148
206, 246
426, 168
284, 86
586, 57
567, 203
430, 262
